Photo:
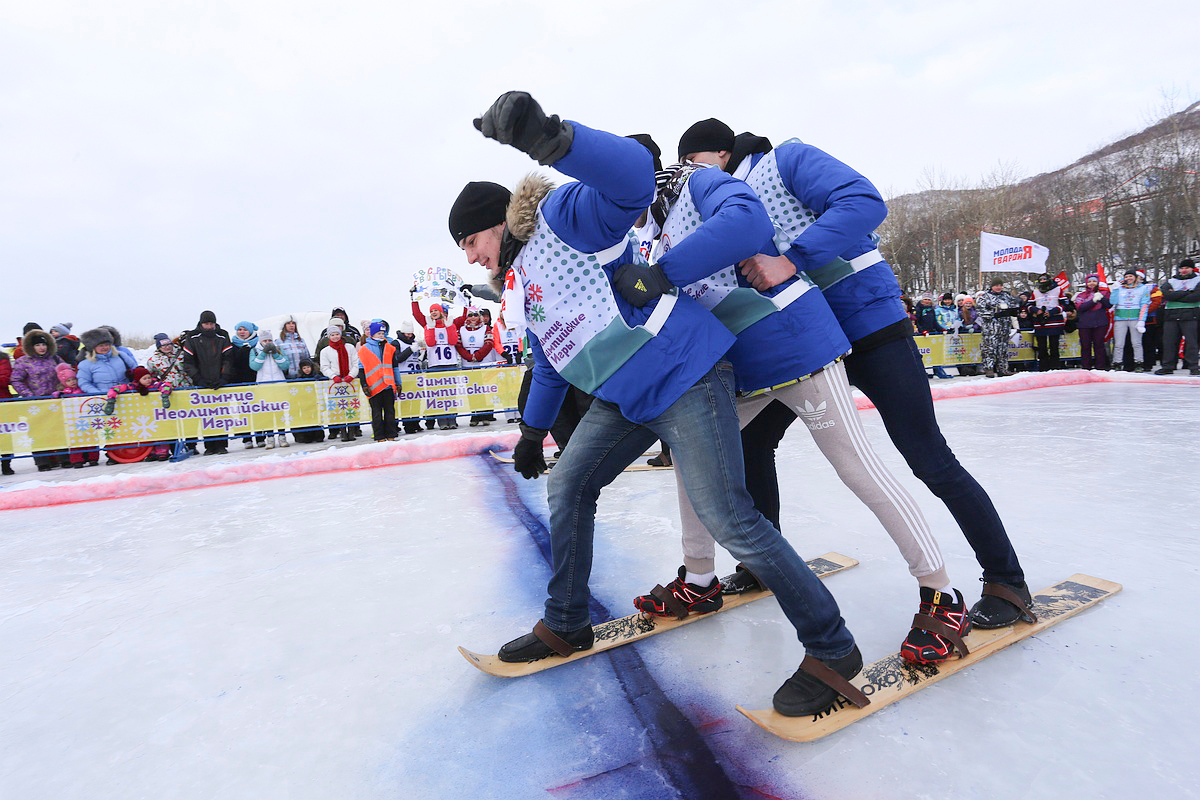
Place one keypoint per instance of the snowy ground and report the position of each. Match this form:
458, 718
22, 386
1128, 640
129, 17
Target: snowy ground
295, 638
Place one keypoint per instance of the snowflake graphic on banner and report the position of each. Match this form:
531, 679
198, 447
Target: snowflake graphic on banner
535, 293
143, 427
94, 408
537, 313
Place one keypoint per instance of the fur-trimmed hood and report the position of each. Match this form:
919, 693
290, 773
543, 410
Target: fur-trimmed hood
96, 336
33, 337
521, 216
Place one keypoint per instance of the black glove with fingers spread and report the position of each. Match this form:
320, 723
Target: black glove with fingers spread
641, 283
517, 119
528, 458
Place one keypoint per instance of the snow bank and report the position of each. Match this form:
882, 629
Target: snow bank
1037, 380
185, 475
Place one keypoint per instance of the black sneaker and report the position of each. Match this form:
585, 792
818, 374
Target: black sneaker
802, 694
679, 598
660, 460
1163, 371
530, 647
740, 582
993, 611
928, 642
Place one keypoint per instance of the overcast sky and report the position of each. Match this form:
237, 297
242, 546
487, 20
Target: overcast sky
157, 159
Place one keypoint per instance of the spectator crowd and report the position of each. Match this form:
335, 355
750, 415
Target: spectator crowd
54, 363
1133, 326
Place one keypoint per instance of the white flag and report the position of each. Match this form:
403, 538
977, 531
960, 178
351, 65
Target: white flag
1009, 254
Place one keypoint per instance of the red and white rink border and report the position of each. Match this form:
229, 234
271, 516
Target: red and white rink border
199, 472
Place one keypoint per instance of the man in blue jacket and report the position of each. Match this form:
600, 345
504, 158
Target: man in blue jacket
656, 372
825, 214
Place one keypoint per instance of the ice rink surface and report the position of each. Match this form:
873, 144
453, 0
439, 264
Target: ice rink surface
296, 638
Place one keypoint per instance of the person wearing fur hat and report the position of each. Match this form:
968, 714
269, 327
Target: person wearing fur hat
825, 214
1181, 316
6, 393
120, 349
339, 363
656, 370
207, 354
68, 386
35, 374
1091, 306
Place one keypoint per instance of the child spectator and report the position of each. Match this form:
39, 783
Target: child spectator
68, 344
35, 375
68, 383
307, 371
1092, 305
166, 363
405, 337
143, 383
379, 360
269, 365
474, 345
339, 363
6, 393
292, 346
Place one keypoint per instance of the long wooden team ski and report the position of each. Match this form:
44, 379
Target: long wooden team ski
892, 678
617, 632
550, 462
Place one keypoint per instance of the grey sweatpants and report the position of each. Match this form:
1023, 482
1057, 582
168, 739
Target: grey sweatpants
1121, 329
824, 404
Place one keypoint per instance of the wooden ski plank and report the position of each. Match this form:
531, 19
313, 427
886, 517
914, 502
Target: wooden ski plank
625, 630
891, 679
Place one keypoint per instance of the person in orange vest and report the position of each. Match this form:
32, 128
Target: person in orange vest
378, 359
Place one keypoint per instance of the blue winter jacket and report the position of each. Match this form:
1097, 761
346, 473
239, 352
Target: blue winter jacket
848, 208
615, 185
784, 345
99, 373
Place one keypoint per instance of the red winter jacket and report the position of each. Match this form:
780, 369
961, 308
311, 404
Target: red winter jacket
6, 391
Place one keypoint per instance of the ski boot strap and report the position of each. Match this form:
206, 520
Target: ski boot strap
552, 640
939, 628
1004, 593
819, 670
670, 601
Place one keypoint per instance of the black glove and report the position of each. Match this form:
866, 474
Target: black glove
517, 119
641, 283
528, 458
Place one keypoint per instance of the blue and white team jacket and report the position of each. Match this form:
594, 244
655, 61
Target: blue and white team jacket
640, 359
783, 334
824, 214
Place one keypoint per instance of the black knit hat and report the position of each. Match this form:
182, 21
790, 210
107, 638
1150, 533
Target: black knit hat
30, 326
208, 316
707, 135
1187, 262
479, 206
645, 141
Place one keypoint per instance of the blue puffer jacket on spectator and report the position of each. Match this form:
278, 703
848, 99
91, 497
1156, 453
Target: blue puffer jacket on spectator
99, 373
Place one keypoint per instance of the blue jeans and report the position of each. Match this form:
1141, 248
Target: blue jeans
893, 377
701, 428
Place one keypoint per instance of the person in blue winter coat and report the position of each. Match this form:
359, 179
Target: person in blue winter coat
656, 372
825, 214
103, 366
789, 348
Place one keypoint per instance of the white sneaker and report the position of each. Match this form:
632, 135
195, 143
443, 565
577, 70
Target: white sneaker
249, 445
269, 443
283, 442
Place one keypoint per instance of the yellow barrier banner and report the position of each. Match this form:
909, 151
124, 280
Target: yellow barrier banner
951, 349
459, 391
79, 421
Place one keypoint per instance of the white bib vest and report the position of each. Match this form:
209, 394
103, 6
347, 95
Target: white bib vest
442, 353
570, 308
791, 218
737, 307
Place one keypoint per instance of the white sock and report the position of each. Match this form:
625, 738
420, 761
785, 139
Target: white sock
704, 580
